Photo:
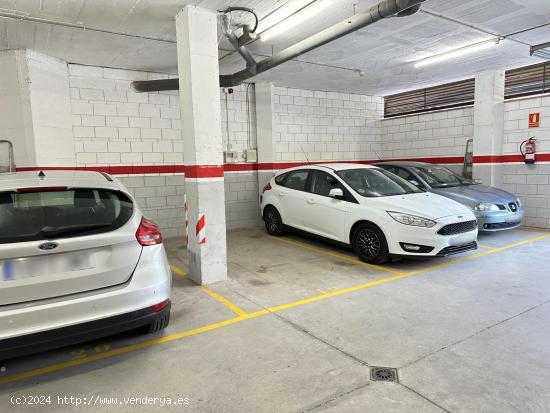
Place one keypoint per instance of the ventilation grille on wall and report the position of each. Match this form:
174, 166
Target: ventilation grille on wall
525, 81
438, 97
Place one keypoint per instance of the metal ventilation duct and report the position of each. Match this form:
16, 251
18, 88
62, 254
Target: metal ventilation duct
541, 50
385, 8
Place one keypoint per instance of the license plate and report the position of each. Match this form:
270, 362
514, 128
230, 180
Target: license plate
22, 268
512, 219
462, 239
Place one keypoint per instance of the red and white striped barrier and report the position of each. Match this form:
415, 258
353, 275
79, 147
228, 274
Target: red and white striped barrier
200, 229
186, 219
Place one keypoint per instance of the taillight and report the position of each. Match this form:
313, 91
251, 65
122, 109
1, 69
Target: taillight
157, 308
267, 187
148, 233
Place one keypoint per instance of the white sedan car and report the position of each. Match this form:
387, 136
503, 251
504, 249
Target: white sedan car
376, 212
77, 261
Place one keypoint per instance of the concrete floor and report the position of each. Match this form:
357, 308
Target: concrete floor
299, 323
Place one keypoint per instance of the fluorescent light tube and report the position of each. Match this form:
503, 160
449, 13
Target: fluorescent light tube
452, 54
296, 19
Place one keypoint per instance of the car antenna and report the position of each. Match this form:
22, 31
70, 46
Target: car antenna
305, 154
41, 174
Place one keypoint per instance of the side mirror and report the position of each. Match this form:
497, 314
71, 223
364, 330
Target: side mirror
336, 193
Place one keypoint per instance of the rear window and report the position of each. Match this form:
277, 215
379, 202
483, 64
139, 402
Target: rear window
32, 216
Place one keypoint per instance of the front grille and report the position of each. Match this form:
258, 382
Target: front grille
458, 228
513, 206
457, 249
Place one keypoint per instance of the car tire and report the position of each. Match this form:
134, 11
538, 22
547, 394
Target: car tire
370, 245
273, 222
158, 325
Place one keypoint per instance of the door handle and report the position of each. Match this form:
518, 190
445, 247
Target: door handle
310, 201
281, 193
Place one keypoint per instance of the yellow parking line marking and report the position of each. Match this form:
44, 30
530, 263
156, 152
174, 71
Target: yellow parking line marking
111, 353
178, 271
224, 301
245, 316
485, 246
340, 257
477, 255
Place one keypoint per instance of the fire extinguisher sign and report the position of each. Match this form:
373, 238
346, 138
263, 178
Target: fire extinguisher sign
534, 120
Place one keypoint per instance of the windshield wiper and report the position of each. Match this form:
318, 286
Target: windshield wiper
70, 229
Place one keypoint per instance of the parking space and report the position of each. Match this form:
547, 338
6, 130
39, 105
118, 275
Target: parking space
302, 323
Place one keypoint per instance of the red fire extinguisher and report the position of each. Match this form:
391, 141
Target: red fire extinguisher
528, 150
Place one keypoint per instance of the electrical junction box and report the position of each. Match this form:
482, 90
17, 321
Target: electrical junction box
230, 156
251, 155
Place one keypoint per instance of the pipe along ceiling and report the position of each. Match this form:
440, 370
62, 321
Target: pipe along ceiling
385, 8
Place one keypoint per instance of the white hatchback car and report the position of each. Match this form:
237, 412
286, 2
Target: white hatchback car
376, 212
78, 261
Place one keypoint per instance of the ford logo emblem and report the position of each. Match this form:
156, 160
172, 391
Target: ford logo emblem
47, 246
460, 216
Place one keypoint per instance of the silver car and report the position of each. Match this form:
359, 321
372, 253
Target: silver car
494, 208
78, 261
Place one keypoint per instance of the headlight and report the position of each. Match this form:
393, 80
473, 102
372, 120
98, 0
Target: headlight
518, 201
483, 207
413, 220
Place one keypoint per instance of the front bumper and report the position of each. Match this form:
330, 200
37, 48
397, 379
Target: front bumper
499, 220
439, 245
150, 284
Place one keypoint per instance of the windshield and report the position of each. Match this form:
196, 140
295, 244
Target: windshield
50, 214
375, 182
440, 177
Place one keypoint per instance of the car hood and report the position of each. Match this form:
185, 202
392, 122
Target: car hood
426, 205
472, 195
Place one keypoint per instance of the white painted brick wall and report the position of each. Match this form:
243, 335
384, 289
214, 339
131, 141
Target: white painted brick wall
435, 134
326, 126
530, 182
108, 116
238, 129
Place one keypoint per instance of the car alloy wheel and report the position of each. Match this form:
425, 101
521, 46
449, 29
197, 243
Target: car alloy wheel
368, 243
273, 222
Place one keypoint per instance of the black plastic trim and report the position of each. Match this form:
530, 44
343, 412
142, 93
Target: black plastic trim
66, 336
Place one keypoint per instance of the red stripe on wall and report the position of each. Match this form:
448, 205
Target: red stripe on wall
217, 171
204, 171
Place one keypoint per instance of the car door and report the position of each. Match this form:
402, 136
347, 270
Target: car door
292, 197
323, 215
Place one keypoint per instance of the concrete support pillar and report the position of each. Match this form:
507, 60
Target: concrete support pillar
489, 125
197, 45
265, 112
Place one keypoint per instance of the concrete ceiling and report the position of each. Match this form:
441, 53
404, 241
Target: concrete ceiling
375, 60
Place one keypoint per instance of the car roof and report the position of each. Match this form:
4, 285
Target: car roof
73, 179
403, 163
342, 166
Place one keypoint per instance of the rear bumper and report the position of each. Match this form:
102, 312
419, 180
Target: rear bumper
150, 284
66, 336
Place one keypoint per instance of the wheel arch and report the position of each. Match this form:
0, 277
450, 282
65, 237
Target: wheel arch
363, 221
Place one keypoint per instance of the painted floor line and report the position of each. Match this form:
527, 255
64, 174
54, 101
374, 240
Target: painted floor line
178, 271
221, 299
334, 255
166, 339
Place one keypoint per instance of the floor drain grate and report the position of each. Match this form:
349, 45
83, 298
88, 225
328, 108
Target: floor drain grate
383, 374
